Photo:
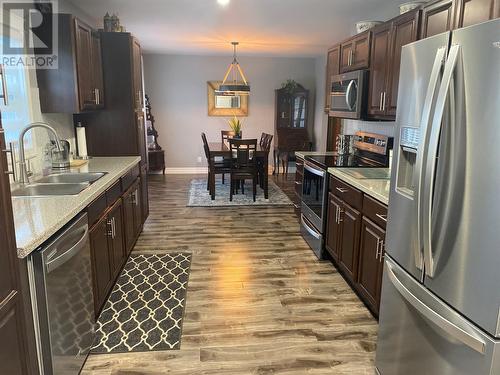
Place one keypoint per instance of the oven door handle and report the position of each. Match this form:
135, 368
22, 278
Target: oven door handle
348, 94
314, 171
309, 230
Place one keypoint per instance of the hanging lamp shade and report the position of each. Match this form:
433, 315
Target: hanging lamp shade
234, 82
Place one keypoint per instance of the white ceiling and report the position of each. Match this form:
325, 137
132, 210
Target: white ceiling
263, 27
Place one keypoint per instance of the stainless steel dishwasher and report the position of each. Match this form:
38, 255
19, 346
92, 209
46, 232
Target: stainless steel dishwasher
63, 304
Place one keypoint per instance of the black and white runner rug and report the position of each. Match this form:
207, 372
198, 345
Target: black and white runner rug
145, 309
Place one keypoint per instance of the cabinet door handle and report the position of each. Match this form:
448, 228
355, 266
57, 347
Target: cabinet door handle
383, 102
5, 95
12, 159
340, 215
336, 212
381, 255
352, 57
380, 101
298, 183
109, 223
342, 190
382, 217
114, 227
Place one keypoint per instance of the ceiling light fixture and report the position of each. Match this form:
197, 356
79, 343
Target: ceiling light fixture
223, 2
234, 87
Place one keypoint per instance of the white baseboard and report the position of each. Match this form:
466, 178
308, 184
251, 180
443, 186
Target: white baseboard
186, 170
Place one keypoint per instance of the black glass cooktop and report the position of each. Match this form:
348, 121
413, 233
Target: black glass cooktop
342, 161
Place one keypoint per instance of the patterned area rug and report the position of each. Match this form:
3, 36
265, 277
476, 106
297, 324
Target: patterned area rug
199, 196
145, 309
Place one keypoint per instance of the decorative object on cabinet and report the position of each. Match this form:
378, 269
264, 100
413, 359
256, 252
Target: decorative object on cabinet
366, 25
156, 155
406, 7
225, 105
77, 84
234, 87
291, 131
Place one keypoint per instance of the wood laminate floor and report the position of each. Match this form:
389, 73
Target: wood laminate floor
258, 302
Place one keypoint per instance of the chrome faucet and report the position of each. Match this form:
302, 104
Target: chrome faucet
23, 175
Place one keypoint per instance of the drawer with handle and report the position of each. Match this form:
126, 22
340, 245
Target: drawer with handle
375, 211
346, 192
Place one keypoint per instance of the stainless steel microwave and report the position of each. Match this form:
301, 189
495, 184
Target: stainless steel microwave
347, 95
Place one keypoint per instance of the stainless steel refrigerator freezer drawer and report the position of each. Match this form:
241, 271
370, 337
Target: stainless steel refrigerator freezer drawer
419, 334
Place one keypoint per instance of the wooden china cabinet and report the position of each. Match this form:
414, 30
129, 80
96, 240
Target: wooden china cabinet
291, 131
15, 342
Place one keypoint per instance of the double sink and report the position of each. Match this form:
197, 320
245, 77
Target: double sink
70, 183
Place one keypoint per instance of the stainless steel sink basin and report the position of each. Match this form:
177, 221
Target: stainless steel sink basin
70, 178
42, 190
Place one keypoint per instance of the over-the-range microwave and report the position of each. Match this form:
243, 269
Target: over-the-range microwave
348, 95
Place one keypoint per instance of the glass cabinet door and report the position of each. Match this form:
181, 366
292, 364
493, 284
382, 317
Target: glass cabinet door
299, 111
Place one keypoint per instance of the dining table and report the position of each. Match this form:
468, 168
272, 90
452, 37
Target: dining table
221, 149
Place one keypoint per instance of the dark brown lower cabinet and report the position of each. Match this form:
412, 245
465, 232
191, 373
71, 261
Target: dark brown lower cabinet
350, 221
113, 237
14, 356
132, 213
333, 234
117, 239
102, 266
371, 255
355, 238
144, 193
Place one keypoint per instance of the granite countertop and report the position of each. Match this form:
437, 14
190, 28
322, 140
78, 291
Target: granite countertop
36, 219
377, 188
303, 154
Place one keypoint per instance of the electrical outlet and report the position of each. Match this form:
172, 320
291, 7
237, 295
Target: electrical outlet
199, 159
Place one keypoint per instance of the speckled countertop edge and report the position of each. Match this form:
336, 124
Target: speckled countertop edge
36, 219
375, 188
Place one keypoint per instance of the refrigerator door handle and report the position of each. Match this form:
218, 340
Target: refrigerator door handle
425, 124
462, 333
430, 164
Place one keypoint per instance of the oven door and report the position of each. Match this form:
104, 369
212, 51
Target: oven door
346, 96
313, 195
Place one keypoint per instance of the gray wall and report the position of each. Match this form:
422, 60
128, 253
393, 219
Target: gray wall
177, 86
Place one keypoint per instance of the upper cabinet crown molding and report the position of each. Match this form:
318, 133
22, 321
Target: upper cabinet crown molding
77, 84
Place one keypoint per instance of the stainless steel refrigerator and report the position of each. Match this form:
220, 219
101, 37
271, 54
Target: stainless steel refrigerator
440, 307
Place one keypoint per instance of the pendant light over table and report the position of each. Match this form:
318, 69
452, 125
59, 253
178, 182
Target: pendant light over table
230, 85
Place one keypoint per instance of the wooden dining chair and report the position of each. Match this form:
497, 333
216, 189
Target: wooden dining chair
226, 135
265, 145
243, 164
214, 168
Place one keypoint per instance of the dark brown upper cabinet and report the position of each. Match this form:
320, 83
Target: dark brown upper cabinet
332, 69
119, 129
355, 53
77, 84
470, 12
438, 16
387, 42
